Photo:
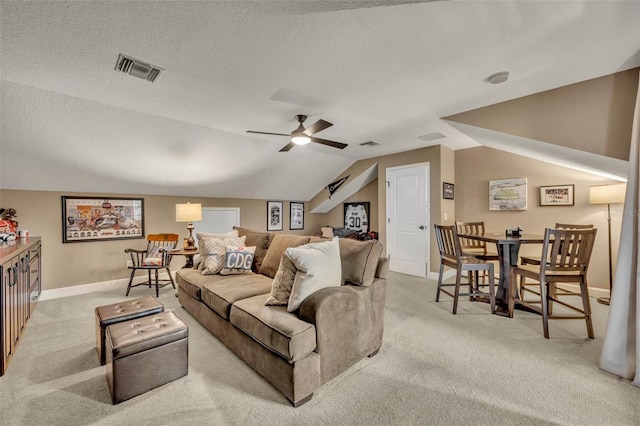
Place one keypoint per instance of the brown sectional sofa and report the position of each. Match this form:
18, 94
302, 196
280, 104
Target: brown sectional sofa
296, 351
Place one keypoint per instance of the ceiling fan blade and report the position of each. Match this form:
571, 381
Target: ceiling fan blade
268, 133
338, 145
316, 127
287, 147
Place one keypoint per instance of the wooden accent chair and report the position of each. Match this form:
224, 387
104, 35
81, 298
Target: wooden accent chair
474, 247
569, 253
155, 257
535, 260
451, 255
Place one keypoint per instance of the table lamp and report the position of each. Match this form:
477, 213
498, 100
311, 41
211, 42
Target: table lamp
189, 213
608, 194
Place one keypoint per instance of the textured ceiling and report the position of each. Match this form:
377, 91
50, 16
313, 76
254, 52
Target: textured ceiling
378, 70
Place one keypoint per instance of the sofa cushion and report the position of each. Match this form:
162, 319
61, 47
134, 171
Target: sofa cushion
359, 260
238, 260
261, 242
221, 291
318, 267
279, 244
191, 281
282, 282
275, 328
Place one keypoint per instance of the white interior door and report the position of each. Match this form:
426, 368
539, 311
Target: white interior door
408, 219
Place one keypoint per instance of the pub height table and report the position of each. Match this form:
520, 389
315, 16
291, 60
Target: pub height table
508, 251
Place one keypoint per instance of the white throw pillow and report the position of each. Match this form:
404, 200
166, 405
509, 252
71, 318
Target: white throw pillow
318, 266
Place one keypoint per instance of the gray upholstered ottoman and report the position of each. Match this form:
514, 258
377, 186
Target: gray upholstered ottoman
122, 311
145, 353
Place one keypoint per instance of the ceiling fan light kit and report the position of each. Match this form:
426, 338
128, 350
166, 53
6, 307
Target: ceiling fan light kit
302, 136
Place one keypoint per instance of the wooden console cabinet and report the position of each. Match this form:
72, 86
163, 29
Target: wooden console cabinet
20, 288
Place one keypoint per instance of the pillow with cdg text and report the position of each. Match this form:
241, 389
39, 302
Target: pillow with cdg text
238, 260
216, 249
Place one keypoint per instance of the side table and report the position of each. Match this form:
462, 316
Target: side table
188, 254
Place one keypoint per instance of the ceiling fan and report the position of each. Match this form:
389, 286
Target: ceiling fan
302, 136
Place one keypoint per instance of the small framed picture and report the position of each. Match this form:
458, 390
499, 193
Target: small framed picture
296, 215
274, 215
447, 190
556, 195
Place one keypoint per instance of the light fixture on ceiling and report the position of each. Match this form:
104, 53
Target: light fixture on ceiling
298, 137
369, 144
499, 77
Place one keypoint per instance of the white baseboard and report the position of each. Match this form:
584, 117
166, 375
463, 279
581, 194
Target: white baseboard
77, 290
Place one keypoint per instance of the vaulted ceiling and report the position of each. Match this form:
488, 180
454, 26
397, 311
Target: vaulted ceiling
383, 71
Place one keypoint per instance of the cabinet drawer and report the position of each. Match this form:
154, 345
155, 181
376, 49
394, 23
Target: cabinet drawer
34, 271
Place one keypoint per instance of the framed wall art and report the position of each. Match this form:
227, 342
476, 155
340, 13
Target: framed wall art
447, 190
274, 215
356, 216
557, 195
296, 215
99, 219
508, 194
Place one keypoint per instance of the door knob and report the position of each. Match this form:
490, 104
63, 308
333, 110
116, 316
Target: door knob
421, 226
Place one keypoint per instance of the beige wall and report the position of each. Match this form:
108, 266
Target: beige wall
594, 115
475, 167
71, 264
433, 155
335, 217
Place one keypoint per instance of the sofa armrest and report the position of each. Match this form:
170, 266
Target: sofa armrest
349, 324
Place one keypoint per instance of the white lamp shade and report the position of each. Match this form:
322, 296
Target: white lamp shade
188, 212
607, 194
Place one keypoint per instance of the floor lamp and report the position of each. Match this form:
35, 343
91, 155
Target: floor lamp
608, 194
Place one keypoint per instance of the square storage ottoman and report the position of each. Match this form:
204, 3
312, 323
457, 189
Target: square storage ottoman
145, 353
122, 311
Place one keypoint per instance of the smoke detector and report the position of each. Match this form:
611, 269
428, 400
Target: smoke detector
369, 143
499, 77
138, 68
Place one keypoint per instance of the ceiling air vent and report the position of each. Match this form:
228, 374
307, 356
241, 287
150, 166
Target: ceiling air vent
370, 143
137, 68
431, 136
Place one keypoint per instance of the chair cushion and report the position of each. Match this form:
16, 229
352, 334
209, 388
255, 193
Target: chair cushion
275, 328
359, 260
280, 243
219, 294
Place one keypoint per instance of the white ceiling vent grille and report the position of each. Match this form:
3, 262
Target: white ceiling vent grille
370, 143
431, 136
137, 68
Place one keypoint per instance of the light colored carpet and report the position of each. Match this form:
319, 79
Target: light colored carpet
434, 368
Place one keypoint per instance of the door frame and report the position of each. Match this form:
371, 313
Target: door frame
427, 167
